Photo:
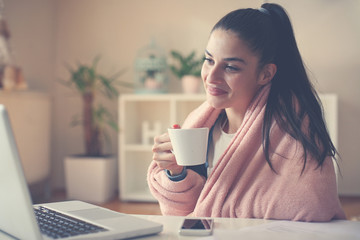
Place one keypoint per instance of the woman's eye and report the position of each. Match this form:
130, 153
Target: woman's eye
232, 68
209, 60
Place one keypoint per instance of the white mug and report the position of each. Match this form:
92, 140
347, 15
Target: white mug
189, 145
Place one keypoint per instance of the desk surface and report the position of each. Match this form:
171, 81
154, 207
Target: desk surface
254, 229
239, 228
172, 225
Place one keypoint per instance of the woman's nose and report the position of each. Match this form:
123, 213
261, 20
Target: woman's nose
214, 75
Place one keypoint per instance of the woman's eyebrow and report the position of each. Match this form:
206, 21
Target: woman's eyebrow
230, 59
207, 52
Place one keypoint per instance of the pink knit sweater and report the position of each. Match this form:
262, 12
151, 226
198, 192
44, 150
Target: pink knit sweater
242, 183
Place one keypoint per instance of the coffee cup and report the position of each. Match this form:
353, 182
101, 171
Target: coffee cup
189, 145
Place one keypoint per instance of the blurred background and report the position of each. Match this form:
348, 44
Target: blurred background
45, 35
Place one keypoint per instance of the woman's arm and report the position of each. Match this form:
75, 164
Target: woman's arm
175, 197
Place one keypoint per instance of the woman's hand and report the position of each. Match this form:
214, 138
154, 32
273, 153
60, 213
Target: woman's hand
163, 156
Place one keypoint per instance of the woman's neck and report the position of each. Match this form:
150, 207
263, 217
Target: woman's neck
232, 120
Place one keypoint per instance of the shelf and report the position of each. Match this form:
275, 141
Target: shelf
137, 147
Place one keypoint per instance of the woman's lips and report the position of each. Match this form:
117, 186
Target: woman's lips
215, 91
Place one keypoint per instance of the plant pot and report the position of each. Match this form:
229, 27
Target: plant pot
191, 84
90, 179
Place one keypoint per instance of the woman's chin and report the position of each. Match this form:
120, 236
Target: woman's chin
216, 103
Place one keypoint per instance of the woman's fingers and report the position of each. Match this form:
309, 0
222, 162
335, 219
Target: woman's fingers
164, 160
162, 154
162, 138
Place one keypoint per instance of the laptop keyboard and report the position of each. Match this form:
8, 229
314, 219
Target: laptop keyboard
57, 225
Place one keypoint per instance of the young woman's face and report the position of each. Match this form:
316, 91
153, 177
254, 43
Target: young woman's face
230, 71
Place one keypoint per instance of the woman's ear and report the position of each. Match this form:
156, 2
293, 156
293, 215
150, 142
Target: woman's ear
267, 73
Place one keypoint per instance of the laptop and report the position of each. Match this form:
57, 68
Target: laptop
21, 220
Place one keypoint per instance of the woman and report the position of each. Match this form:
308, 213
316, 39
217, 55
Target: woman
270, 155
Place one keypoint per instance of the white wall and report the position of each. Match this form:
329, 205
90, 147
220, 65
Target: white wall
48, 33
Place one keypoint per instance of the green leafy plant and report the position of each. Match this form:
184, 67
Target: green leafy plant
186, 65
86, 80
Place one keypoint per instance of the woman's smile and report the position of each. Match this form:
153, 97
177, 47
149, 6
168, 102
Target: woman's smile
215, 91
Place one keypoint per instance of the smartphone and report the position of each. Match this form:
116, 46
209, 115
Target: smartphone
197, 227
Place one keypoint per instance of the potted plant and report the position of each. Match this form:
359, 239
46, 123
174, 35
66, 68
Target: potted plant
188, 70
92, 176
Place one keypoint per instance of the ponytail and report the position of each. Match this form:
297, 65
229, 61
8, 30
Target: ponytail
292, 100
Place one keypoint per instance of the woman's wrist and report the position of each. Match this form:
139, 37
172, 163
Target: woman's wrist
177, 171
178, 177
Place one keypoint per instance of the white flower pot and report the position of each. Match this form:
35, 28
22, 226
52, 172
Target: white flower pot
90, 179
191, 84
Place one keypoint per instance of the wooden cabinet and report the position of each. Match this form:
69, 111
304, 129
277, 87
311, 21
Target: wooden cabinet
143, 116
30, 118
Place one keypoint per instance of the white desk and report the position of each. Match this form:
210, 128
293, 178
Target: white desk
237, 228
254, 229
172, 225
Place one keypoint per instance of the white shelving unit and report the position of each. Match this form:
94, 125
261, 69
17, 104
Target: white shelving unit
135, 154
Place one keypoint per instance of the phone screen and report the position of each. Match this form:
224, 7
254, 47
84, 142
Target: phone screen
197, 224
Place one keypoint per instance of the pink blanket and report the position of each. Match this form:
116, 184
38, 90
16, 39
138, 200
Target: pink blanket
242, 183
